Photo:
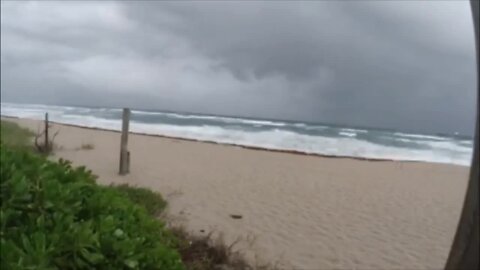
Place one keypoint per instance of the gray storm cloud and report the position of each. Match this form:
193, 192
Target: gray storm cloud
404, 65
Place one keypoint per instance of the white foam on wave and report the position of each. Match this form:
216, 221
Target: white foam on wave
89, 121
318, 128
354, 130
420, 136
450, 147
440, 150
405, 140
348, 134
215, 118
147, 113
287, 140
33, 107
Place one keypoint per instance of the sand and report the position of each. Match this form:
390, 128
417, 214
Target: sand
299, 211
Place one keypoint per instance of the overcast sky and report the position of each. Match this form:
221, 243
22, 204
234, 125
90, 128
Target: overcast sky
406, 65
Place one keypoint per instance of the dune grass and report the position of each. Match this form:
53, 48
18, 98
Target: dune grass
14, 136
150, 200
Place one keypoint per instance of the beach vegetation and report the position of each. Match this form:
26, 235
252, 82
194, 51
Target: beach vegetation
152, 201
45, 144
203, 252
54, 216
14, 136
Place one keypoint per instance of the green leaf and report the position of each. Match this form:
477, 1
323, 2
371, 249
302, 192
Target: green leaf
118, 233
130, 263
93, 258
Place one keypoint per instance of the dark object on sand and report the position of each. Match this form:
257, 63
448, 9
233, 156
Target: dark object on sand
236, 216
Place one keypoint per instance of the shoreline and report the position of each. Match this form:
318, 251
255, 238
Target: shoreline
300, 211
256, 148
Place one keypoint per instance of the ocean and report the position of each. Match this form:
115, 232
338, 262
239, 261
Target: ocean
304, 137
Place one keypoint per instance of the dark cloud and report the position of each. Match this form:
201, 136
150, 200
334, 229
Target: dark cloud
385, 64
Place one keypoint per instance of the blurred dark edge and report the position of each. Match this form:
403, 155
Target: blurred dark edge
464, 252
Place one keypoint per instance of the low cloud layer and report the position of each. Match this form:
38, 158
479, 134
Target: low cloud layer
390, 64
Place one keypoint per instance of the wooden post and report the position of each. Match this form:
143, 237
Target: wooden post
46, 133
124, 154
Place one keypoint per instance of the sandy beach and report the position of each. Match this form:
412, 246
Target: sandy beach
299, 211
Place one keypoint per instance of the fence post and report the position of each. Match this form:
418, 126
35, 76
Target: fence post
124, 154
46, 133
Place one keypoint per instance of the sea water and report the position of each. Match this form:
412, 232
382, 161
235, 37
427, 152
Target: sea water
315, 138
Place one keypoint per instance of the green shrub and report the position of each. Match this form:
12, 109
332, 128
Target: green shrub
53, 216
151, 200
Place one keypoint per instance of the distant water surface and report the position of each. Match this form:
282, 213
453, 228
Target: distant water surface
283, 135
